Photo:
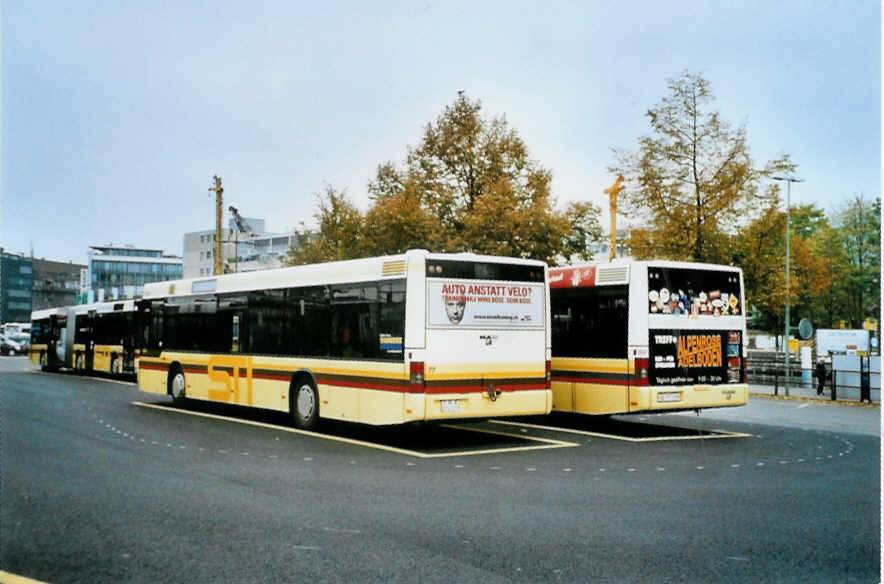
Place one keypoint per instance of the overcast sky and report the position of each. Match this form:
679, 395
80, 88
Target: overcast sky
116, 114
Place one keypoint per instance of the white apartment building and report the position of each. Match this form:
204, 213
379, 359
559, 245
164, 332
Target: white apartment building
241, 252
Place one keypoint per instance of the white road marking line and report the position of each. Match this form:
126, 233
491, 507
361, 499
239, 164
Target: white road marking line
627, 439
546, 443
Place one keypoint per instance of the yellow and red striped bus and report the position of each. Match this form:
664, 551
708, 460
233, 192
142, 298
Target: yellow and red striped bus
386, 340
98, 337
640, 336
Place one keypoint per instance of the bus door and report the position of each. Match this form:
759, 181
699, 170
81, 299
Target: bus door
89, 341
128, 336
55, 353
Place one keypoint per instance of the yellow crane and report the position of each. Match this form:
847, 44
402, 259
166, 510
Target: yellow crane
612, 193
219, 200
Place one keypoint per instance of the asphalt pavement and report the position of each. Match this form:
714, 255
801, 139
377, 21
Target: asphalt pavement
101, 483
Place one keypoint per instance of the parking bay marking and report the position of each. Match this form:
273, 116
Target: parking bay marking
545, 442
720, 434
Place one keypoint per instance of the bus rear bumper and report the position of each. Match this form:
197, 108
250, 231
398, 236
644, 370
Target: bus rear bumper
482, 405
688, 397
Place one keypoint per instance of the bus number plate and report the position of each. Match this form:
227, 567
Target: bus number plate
672, 396
450, 406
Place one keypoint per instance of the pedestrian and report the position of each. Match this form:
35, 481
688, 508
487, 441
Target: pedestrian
820, 375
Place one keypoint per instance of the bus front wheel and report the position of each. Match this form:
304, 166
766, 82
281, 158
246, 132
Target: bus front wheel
176, 384
305, 404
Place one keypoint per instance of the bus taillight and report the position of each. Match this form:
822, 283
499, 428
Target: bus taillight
548, 374
641, 372
742, 370
416, 377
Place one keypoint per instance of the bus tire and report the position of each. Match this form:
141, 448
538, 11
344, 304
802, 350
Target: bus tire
304, 400
176, 385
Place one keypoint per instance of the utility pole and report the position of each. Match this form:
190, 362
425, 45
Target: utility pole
788, 180
612, 193
219, 200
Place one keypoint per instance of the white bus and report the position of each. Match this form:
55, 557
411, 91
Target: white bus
387, 340
98, 337
647, 336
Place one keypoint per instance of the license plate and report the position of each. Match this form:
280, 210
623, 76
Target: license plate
450, 406
672, 396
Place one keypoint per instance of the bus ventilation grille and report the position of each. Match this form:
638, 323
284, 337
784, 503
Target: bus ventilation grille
394, 268
618, 275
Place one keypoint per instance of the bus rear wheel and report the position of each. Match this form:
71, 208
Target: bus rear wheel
176, 384
305, 404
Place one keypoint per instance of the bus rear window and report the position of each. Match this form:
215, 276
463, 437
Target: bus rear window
590, 322
681, 291
483, 271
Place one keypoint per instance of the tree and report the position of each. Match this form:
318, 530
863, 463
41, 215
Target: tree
469, 185
859, 222
760, 249
829, 304
692, 179
339, 235
485, 192
397, 220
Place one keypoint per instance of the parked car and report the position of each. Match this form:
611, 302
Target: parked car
8, 346
23, 340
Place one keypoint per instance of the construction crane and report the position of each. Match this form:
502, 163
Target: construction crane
242, 226
219, 200
612, 193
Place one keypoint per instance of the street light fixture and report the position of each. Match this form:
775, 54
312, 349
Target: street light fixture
788, 180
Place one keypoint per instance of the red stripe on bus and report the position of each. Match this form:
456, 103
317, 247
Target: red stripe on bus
380, 383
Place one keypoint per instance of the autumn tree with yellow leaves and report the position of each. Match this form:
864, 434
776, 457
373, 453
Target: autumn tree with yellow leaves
469, 185
692, 180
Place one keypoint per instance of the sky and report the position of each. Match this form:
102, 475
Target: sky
116, 115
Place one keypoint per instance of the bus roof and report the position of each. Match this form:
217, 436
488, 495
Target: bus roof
618, 271
340, 272
99, 307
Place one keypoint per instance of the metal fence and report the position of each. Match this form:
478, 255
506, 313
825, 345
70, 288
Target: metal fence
769, 369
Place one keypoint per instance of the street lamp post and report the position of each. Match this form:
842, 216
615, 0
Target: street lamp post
789, 180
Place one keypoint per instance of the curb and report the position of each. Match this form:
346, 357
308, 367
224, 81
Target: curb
815, 400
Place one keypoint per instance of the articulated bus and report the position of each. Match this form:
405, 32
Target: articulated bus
647, 336
98, 337
388, 340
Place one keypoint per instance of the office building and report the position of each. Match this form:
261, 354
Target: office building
16, 283
247, 251
56, 283
116, 272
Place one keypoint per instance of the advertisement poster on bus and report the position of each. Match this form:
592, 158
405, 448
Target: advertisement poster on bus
693, 293
680, 357
481, 304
